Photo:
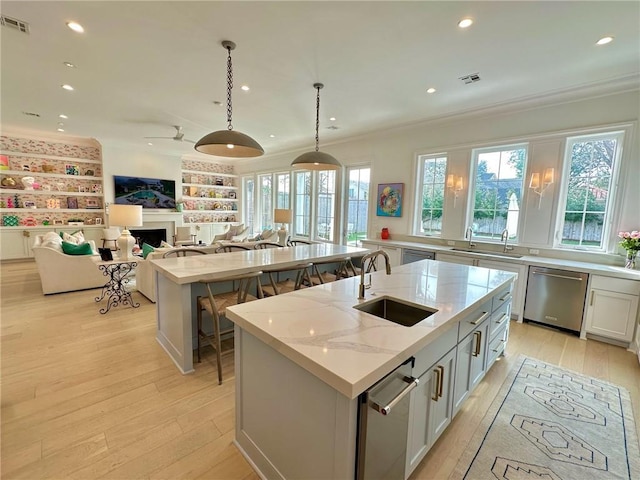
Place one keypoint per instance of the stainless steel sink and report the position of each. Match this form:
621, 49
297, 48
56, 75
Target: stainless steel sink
396, 311
487, 252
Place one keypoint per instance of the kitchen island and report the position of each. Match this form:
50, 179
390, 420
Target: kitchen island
303, 359
177, 286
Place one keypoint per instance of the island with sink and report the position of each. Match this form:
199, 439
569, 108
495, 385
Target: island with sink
330, 385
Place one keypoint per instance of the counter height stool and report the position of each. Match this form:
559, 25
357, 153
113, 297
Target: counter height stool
264, 245
183, 252
295, 243
319, 278
232, 248
216, 305
285, 286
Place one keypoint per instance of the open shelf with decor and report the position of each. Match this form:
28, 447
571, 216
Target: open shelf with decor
46, 185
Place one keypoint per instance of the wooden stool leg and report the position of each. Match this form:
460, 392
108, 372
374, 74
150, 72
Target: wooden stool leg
216, 333
199, 316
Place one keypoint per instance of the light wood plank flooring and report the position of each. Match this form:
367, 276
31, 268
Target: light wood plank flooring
87, 396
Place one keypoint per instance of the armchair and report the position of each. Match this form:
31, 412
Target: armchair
184, 236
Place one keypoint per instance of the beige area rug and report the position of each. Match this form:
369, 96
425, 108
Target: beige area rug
549, 423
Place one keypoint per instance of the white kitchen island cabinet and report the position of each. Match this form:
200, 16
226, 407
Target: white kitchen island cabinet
302, 361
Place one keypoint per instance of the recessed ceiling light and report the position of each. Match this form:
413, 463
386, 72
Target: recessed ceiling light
61, 129
245, 88
76, 27
465, 22
69, 64
333, 119
62, 115
604, 40
431, 90
67, 87
272, 136
149, 143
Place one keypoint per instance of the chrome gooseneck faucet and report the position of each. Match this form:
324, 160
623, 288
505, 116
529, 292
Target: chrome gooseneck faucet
363, 262
469, 235
505, 238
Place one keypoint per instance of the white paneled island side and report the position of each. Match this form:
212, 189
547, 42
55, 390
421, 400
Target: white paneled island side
303, 359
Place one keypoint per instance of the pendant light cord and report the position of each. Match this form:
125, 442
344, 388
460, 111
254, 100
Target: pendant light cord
229, 87
318, 87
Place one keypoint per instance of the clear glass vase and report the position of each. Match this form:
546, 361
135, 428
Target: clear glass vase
631, 259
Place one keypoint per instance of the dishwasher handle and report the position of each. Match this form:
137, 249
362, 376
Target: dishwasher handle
413, 383
566, 277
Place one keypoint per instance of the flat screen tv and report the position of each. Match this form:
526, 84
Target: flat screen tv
148, 192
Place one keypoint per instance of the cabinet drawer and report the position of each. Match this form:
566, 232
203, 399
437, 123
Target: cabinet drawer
618, 285
474, 319
498, 344
499, 318
499, 299
437, 349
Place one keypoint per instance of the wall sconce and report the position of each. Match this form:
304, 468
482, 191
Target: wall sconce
455, 184
540, 185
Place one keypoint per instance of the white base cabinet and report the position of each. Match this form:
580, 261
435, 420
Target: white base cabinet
612, 308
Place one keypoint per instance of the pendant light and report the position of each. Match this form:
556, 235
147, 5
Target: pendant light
316, 160
229, 143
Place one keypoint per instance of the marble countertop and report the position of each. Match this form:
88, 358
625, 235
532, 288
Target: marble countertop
185, 270
318, 328
578, 266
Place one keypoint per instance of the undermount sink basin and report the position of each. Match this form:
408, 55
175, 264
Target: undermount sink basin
487, 252
396, 311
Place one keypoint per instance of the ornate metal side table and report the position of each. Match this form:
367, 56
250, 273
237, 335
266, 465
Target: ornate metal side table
117, 272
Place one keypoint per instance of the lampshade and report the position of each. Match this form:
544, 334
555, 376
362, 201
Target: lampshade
229, 143
125, 215
316, 160
281, 215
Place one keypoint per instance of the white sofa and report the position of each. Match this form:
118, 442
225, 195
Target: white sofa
60, 272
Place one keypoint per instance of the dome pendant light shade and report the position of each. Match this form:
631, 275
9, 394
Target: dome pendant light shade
229, 143
316, 160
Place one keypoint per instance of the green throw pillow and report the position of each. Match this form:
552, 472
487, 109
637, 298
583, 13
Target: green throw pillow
146, 250
72, 249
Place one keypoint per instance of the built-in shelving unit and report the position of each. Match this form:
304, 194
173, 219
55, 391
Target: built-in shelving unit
209, 193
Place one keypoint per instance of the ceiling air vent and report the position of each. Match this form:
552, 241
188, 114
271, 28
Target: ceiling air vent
14, 23
31, 114
472, 78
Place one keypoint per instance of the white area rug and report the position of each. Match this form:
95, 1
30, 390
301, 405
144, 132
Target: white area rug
549, 423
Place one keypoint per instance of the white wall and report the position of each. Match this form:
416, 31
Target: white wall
392, 156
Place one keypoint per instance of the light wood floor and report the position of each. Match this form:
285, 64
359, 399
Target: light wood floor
87, 396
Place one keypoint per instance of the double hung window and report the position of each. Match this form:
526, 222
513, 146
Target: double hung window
431, 188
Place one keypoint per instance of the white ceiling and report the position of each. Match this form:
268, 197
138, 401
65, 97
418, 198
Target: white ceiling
145, 66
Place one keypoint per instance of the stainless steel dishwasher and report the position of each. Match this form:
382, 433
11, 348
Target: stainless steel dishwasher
409, 256
556, 297
383, 426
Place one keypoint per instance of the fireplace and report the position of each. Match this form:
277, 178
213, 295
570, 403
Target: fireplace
150, 236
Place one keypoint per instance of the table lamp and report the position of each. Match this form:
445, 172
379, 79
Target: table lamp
282, 216
125, 216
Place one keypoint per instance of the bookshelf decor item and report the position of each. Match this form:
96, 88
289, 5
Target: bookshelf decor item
71, 169
72, 202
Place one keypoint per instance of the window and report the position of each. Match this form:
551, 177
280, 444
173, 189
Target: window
302, 208
357, 205
282, 190
589, 167
248, 202
265, 202
431, 182
497, 190
326, 205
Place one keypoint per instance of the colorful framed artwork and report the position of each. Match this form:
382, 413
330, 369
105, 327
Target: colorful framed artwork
93, 203
71, 169
72, 202
389, 200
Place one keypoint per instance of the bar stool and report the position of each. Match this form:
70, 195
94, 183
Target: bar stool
288, 285
265, 245
295, 243
320, 278
216, 305
183, 252
232, 248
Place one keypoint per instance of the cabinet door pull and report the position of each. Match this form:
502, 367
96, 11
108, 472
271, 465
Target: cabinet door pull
437, 385
441, 384
480, 318
477, 348
591, 298
502, 319
505, 298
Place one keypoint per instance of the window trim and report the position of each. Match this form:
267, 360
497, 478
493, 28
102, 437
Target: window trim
615, 193
471, 191
417, 210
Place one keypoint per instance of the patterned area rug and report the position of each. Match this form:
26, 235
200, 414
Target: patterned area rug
552, 424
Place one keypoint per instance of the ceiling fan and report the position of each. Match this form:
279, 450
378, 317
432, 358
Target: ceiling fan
179, 136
